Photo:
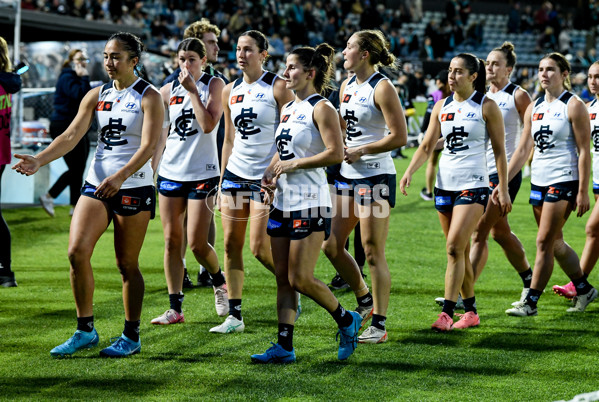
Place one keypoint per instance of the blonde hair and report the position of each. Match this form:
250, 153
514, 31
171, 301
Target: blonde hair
199, 28
5, 64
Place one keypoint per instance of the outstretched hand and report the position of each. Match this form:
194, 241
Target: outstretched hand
28, 164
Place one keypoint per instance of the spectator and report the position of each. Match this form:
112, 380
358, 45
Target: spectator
514, 18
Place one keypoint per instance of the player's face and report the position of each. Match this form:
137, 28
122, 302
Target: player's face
295, 75
352, 56
593, 79
248, 54
211, 42
459, 78
191, 61
550, 75
496, 67
117, 62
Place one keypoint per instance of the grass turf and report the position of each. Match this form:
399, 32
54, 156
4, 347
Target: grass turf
548, 357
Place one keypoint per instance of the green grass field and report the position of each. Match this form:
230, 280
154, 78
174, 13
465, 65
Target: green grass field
549, 357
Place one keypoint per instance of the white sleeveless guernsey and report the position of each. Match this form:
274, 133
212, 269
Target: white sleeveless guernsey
555, 158
190, 154
594, 115
296, 138
506, 100
255, 115
365, 124
463, 163
120, 120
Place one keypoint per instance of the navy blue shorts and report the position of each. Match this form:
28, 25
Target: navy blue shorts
299, 224
368, 189
566, 190
446, 200
235, 185
333, 173
513, 185
127, 202
192, 190
595, 188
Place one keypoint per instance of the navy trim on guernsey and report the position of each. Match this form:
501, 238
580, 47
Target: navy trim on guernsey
593, 102
478, 98
566, 97
237, 82
269, 77
205, 79
176, 83
375, 79
540, 100
106, 86
351, 80
141, 86
314, 100
511, 88
448, 100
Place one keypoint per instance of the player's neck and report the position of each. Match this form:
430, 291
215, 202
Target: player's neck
495, 86
363, 74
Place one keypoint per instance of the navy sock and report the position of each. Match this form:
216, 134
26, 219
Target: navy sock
235, 308
342, 317
532, 297
470, 304
365, 301
131, 330
449, 307
285, 336
217, 279
526, 277
176, 300
85, 323
582, 285
378, 321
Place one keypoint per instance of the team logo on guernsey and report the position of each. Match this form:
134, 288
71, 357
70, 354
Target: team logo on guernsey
351, 120
346, 98
176, 100
285, 118
245, 123
447, 116
104, 106
131, 201
236, 99
541, 138
184, 124
282, 141
111, 133
455, 140
593, 116
537, 116
595, 137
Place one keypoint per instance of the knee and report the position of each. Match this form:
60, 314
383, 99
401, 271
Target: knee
454, 251
500, 236
330, 249
299, 281
261, 250
128, 269
200, 248
592, 230
78, 255
233, 246
173, 244
544, 242
479, 236
373, 254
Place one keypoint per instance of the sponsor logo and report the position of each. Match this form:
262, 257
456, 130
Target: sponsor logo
536, 195
537, 116
593, 116
130, 201
237, 99
502, 104
362, 99
229, 184
104, 106
301, 117
447, 116
301, 223
260, 95
176, 100
139, 175
201, 186
342, 185
557, 115
130, 105
169, 186
285, 118
442, 200
310, 196
373, 165
346, 98
273, 224
210, 166
471, 115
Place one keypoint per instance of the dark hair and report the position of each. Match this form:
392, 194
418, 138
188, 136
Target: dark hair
475, 65
563, 64
259, 37
70, 57
442, 76
319, 59
194, 45
131, 43
508, 51
5, 64
374, 42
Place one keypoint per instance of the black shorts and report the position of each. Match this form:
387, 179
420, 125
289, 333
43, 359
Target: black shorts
374, 188
192, 190
235, 185
595, 188
127, 202
446, 200
513, 185
299, 224
333, 173
566, 190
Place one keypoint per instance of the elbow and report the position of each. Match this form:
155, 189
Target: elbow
401, 139
208, 127
337, 157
